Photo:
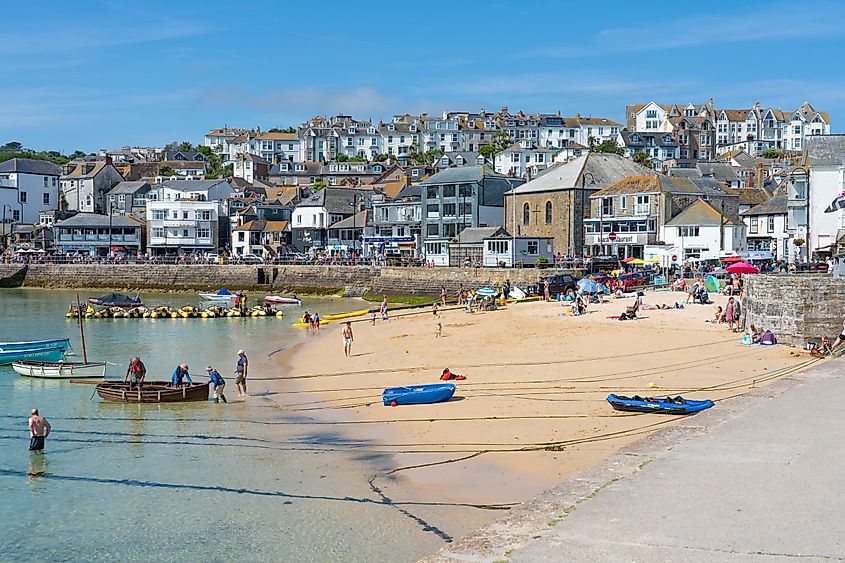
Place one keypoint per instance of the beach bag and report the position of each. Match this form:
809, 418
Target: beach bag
747, 340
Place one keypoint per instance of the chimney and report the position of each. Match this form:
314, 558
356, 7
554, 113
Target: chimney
108, 160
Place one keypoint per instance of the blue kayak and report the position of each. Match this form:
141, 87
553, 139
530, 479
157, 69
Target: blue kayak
64, 343
53, 354
418, 394
666, 405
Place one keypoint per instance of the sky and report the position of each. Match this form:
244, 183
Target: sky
105, 73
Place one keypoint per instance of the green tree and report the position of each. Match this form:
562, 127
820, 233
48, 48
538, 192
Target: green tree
318, 185
357, 159
77, 154
382, 157
772, 153
13, 146
186, 146
166, 171
341, 157
501, 141
642, 158
608, 147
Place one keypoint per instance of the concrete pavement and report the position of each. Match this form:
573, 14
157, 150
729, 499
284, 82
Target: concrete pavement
757, 478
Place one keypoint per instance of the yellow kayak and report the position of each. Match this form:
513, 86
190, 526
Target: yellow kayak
338, 316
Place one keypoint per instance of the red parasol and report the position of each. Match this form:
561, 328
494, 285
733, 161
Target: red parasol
731, 259
743, 268
626, 260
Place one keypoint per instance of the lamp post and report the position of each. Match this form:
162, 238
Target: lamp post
111, 210
5, 229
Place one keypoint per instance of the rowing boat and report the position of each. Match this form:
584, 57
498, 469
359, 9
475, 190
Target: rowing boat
667, 405
152, 392
64, 343
60, 370
53, 354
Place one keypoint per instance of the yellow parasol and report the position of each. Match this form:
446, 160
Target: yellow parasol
653, 260
636, 262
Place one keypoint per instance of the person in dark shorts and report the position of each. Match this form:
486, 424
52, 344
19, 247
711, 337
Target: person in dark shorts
39, 429
839, 339
137, 370
241, 371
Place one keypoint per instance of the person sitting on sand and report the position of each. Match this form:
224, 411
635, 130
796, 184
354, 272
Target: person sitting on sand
679, 284
755, 334
693, 292
719, 316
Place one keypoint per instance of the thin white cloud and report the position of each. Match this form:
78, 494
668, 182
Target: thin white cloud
360, 100
778, 21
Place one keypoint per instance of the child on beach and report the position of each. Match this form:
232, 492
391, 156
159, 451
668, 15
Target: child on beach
373, 316
438, 332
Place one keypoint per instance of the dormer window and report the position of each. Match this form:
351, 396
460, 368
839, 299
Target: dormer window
635, 138
333, 168
444, 161
351, 130
300, 167
479, 160
459, 160
413, 128
371, 130
359, 168
376, 168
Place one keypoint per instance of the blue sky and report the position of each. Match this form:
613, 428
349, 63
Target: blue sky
105, 74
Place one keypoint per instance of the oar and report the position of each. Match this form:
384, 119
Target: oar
85, 381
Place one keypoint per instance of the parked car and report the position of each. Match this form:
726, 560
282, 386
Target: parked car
558, 283
632, 280
252, 259
813, 267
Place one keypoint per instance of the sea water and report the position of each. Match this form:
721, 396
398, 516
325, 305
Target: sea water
194, 481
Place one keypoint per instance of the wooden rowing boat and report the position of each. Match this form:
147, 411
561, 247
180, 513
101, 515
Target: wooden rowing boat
60, 370
152, 392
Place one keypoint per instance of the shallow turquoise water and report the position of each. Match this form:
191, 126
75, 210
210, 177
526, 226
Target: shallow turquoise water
187, 482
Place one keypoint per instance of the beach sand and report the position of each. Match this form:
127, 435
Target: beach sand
532, 410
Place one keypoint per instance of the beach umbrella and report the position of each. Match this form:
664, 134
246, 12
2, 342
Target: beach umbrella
653, 260
743, 268
627, 260
487, 292
731, 259
586, 285
636, 262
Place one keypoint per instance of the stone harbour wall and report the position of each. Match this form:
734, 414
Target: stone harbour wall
796, 308
305, 279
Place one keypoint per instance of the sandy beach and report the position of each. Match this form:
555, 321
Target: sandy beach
532, 410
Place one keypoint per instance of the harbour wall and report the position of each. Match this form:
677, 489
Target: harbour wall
796, 308
354, 280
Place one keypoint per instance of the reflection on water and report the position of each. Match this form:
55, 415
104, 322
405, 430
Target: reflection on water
233, 482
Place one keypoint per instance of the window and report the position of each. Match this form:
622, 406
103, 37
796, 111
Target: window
432, 230
448, 209
23, 197
185, 233
533, 247
607, 206
46, 199
497, 246
466, 209
449, 190
432, 209
184, 215
204, 215
432, 192
204, 233
158, 232
46, 182
159, 214
691, 231
16, 215
752, 227
526, 214
642, 205
770, 226
548, 213
623, 202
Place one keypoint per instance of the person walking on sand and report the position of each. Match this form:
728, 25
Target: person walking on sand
438, 332
729, 313
373, 316
39, 429
384, 316
348, 338
461, 294
443, 295
546, 289
839, 339
315, 321
241, 372
218, 383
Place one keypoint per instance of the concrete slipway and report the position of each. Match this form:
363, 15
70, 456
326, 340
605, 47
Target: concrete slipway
757, 478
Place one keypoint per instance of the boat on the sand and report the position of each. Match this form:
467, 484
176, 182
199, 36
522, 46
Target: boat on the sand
60, 370
152, 392
665, 405
418, 394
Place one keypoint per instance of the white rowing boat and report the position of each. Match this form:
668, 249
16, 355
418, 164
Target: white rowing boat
60, 370
217, 298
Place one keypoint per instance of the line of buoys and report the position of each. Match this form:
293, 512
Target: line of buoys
164, 312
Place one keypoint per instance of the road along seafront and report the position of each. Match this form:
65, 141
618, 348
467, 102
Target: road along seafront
532, 411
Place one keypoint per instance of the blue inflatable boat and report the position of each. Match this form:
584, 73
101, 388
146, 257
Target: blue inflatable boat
666, 405
418, 394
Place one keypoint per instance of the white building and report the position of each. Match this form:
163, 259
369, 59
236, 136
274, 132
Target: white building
804, 122
28, 187
218, 140
523, 159
442, 133
362, 141
699, 231
400, 137
766, 228
276, 146
85, 183
826, 161
505, 251
183, 226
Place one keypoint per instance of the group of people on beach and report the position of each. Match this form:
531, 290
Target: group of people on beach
136, 372
312, 322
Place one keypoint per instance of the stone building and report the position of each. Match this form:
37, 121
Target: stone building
555, 203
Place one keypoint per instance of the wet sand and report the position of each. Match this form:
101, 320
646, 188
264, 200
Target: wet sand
532, 410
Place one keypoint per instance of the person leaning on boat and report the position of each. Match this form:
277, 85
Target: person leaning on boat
138, 371
180, 373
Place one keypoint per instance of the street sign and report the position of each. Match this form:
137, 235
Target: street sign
674, 258
612, 236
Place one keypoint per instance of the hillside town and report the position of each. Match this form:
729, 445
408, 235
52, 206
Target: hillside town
674, 182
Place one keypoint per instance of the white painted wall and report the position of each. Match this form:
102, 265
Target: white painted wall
25, 194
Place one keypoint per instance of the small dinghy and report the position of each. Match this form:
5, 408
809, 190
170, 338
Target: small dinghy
280, 300
117, 300
666, 405
50, 354
60, 370
63, 343
223, 295
418, 394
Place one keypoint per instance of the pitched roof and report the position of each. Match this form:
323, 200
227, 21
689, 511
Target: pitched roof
262, 226
359, 220
184, 164
649, 184
718, 170
459, 175
30, 166
192, 185
748, 196
599, 170
335, 200
826, 150
278, 136
702, 214
475, 235
772, 206
127, 187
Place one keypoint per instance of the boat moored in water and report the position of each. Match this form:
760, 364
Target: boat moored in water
60, 370
152, 392
223, 295
63, 343
51, 354
281, 300
117, 300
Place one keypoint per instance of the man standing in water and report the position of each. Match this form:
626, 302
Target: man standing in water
241, 370
347, 339
39, 429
